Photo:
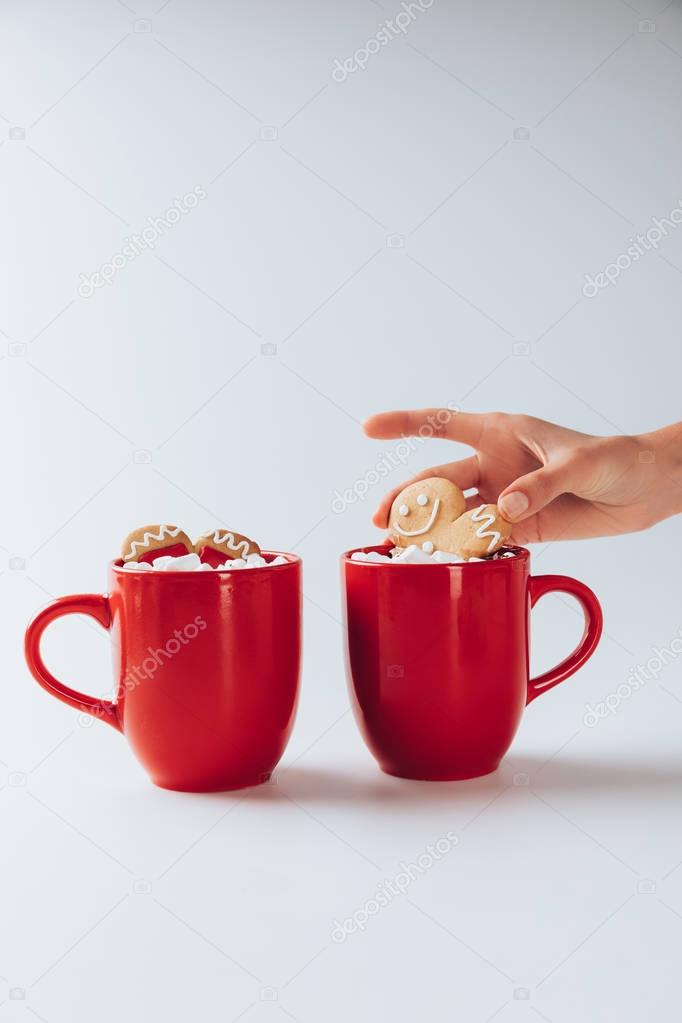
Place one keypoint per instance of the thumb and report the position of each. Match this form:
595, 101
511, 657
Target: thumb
529, 494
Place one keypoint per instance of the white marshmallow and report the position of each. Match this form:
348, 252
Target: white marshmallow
185, 563
414, 555
446, 558
159, 564
370, 556
193, 563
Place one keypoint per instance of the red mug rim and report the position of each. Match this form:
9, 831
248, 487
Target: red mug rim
521, 554
117, 567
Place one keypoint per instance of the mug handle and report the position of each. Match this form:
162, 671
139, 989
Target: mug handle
539, 585
93, 604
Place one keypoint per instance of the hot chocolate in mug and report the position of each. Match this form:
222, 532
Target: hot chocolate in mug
437, 658
206, 669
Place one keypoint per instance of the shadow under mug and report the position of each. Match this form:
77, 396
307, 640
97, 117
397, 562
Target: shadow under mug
437, 659
206, 669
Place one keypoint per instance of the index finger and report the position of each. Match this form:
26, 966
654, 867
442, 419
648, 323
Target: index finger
451, 424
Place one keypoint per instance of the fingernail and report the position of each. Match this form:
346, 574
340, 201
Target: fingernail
513, 505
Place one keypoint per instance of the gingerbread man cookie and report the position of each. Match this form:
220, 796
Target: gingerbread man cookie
479, 532
424, 513
220, 545
148, 542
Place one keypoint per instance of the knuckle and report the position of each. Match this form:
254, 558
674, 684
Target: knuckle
582, 453
498, 421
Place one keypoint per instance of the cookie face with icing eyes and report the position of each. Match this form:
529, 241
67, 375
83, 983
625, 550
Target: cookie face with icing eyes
424, 512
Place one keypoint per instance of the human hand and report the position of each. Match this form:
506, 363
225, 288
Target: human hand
550, 482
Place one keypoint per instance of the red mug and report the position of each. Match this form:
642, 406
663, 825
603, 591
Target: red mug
206, 669
437, 659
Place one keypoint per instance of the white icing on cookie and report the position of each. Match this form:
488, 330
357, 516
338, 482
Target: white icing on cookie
486, 519
427, 546
426, 528
229, 541
147, 538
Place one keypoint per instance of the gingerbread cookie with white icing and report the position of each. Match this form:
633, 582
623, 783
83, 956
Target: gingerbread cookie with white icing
150, 542
221, 545
479, 532
424, 513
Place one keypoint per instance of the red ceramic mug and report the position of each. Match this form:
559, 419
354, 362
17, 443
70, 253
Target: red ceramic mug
206, 669
437, 659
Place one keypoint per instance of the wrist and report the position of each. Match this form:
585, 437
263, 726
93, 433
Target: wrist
662, 451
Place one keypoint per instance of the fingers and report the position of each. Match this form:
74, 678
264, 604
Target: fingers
464, 473
465, 427
474, 501
529, 494
380, 517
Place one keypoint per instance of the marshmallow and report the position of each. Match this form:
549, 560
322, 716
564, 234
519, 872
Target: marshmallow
185, 563
414, 555
446, 558
159, 564
193, 563
252, 561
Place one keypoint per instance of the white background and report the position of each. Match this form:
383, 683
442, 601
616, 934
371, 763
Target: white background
402, 241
